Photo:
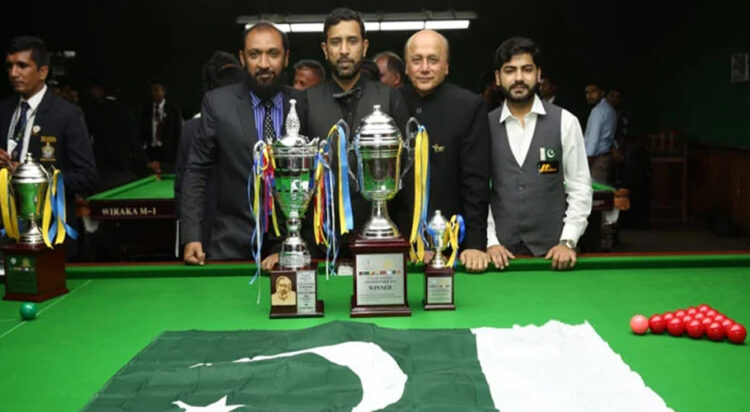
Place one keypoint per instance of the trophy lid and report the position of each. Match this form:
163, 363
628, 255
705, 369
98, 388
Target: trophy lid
291, 136
30, 171
438, 224
378, 128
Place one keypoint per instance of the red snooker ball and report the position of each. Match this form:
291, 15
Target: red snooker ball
679, 313
719, 317
676, 327
657, 324
715, 331
699, 316
727, 323
639, 324
711, 313
667, 316
706, 321
687, 319
737, 333
703, 308
695, 329
692, 311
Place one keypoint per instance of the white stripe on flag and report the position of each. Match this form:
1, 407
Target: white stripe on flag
559, 367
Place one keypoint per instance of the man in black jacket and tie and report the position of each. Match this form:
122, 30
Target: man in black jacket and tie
38, 122
161, 125
233, 119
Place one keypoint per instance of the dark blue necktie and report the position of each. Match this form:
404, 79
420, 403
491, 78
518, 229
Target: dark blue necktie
19, 132
269, 132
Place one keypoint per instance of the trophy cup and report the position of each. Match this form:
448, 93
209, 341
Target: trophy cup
380, 252
33, 271
293, 279
438, 275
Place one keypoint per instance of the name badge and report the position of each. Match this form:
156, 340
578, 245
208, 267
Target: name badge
548, 168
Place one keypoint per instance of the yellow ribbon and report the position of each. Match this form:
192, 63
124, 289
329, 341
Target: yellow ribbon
47, 214
421, 163
452, 235
8, 206
318, 209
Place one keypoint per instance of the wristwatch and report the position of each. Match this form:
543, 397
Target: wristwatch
568, 243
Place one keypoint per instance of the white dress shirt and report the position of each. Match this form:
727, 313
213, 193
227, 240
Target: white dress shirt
33, 102
158, 111
574, 164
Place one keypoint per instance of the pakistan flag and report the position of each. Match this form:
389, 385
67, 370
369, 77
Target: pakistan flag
342, 366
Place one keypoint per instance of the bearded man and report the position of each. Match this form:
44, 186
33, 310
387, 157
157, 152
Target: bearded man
233, 119
541, 186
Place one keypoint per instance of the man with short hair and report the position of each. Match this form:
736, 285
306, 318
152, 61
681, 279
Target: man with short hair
233, 119
391, 68
161, 125
308, 73
38, 122
600, 136
348, 95
459, 141
548, 89
541, 188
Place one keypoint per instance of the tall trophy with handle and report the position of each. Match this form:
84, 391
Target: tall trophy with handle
380, 252
293, 278
438, 274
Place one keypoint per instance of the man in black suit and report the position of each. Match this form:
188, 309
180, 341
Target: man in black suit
161, 125
233, 119
37, 121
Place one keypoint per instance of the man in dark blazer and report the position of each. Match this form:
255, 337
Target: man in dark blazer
161, 125
38, 122
233, 119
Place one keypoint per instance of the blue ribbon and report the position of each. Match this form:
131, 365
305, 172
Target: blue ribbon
344, 159
256, 242
57, 201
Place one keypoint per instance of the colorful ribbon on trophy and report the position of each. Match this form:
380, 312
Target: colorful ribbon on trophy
54, 214
324, 217
344, 201
8, 206
455, 236
260, 199
421, 194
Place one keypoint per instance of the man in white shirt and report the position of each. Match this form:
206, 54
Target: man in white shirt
541, 194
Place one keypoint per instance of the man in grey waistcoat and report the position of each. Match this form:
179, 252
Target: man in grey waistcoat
541, 186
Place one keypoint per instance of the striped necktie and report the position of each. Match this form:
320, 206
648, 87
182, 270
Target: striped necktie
20, 131
269, 133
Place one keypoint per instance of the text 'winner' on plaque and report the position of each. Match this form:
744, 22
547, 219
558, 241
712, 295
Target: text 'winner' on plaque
380, 252
294, 284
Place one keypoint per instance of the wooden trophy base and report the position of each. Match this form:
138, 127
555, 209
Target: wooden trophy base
379, 277
34, 273
438, 288
301, 298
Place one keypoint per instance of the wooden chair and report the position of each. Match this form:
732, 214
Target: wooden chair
668, 150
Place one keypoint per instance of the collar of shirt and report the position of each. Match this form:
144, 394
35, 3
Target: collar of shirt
35, 100
161, 104
537, 108
277, 100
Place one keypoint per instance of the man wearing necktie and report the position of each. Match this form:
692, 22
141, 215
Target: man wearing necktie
233, 119
161, 126
38, 122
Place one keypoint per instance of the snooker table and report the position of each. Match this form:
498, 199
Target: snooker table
136, 220
142, 213
80, 340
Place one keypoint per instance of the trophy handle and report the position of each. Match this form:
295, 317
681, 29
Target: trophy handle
412, 128
258, 148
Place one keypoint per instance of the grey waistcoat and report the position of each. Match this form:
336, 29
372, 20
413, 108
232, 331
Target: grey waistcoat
528, 206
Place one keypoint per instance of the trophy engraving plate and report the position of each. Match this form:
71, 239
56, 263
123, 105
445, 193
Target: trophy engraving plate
380, 279
439, 290
306, 293
34, 272
21, 274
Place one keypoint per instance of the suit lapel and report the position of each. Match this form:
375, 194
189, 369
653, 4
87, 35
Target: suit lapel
246, 115
40, 119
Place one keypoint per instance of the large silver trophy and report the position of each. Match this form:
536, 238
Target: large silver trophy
30, 182
377, 145
380, 252
294, 281
294, 183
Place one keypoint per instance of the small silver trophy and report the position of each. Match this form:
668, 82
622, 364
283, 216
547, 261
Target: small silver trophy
30, 182
438, 275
